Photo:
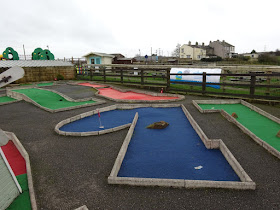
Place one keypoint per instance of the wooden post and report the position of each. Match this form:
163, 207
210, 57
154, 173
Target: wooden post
75, 72
168, 78
104, 73
90, 70
203, 82
142, 77
223, 81
122, 76
268, 78
252, 85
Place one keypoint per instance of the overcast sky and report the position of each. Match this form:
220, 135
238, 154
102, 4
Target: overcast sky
75, 28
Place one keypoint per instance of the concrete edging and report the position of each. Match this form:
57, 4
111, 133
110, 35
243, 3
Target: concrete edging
245, 184
25, 155
104, 109
261, 142
21, 96
9, 102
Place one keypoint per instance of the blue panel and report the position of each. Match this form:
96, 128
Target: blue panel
97, 60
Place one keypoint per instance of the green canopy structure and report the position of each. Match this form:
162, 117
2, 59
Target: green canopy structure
40, 54
10, 51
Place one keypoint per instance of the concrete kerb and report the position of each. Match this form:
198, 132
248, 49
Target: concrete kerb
86, 114
261, 142
21, 96
245, 184
122, 152
84, 207
25, 155
9, 102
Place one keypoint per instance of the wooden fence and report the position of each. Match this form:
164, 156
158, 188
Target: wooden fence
255, 85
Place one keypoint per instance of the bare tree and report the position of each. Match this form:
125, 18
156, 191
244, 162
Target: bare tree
176, 52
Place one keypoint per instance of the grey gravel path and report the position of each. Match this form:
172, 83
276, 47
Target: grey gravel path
69, 172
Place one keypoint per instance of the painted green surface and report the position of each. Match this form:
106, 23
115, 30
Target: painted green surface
45, 84
25, 84
258, 124
50, 99
5, 99
22, 202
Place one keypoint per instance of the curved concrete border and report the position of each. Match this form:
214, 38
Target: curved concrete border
261, 142
25, 155
104, 109
9, 102
180, 97
21, 96
245, 184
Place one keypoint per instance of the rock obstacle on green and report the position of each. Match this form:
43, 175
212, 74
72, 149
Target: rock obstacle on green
50, 99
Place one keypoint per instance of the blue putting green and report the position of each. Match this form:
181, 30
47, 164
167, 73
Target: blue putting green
171, 153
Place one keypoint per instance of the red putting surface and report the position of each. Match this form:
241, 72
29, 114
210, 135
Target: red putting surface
91, 85
14, 158
115, 94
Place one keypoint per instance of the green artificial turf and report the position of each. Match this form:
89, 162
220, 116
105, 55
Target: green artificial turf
50, 99
261, 126
5, 99
22, 202
45, 84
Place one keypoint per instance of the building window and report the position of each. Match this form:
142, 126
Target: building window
182, 50
188, 56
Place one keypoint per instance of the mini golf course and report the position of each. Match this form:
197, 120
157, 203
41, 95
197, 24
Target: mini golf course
50, 99
175, 152
128, 95
18, 165
261, 126
5, 99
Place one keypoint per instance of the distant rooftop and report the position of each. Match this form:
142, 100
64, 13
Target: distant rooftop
33, 63
100, 54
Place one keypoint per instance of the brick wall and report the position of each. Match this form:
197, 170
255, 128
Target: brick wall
37, 74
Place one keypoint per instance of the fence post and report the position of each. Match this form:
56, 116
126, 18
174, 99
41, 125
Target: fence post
203, 82
90, 69
75, 72
104, 73
142, 77
168, 78
122, 76
268, 79
252, 85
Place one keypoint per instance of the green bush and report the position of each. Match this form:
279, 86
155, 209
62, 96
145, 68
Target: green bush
268, 59
59, 77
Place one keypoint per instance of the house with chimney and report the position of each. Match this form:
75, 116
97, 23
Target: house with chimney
222, 49
194, 52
